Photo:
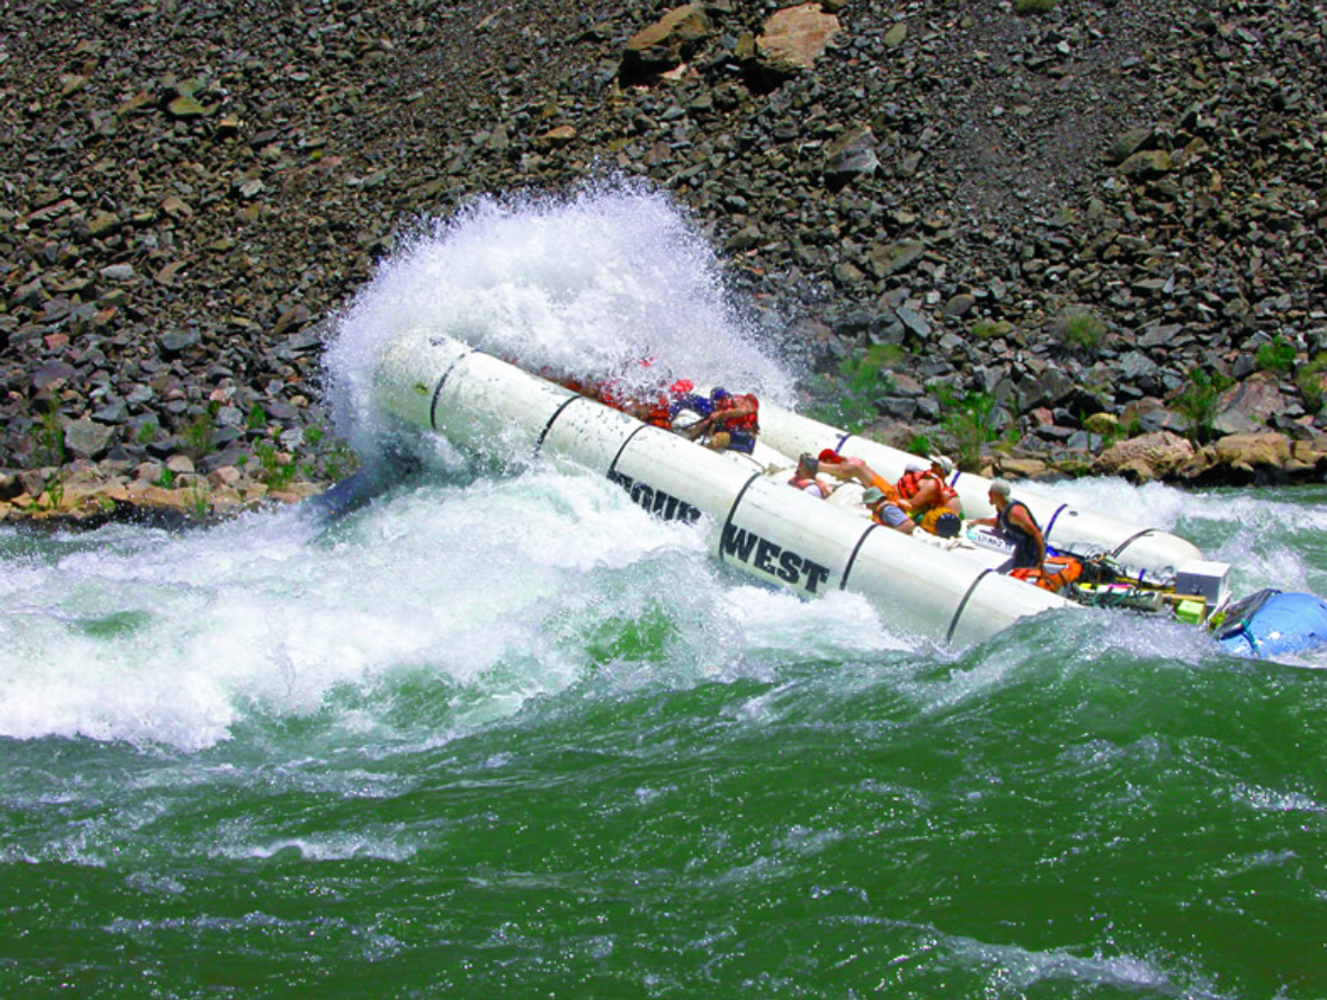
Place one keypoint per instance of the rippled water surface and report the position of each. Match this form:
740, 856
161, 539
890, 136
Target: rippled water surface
498, 733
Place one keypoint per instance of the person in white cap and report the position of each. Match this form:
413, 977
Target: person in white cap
1018, 525
923, 489
945, 494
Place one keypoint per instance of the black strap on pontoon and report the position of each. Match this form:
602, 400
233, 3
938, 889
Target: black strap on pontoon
1046, 535
625, 441
964, 603
843, 581
551, 421
737, 502
437, 390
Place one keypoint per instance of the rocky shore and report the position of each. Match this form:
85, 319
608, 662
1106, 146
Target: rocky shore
1084, 236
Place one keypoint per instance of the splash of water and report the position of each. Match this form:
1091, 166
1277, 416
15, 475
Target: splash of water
589, 284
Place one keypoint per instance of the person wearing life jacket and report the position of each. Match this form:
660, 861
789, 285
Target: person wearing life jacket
807, 480
733, 424
933, 503
942, 468
686, 407
886, 510
653, 407
1017, 524
851, 468
925, 486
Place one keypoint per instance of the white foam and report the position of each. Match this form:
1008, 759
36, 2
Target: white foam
492, 589
588, 284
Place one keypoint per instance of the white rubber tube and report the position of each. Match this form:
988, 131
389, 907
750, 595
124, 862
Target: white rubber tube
777, 534
1138, 547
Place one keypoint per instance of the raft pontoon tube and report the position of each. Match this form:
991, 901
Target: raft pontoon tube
1155, 553
777, 534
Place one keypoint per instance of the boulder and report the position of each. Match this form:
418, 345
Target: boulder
849, 156
1248, 407
666, 43
1255, 454
794, 38
1150, 456
890, 258
87, 439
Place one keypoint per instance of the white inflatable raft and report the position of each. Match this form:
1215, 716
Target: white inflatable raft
1140, 549
758, 524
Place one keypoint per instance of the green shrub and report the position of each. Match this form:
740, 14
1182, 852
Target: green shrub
1309, 380
1080, 329
989, 329
1277, 355
856, 389
1197, 401
338, 461
967, 421
1034, 6
277, 474
198, 435
256, 419
50, 451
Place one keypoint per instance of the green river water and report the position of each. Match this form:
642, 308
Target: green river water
501, 734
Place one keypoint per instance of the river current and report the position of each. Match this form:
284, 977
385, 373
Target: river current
497, 732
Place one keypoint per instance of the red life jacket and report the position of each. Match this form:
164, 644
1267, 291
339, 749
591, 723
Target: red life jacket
748, 422
659, 414
909, 483
802, 484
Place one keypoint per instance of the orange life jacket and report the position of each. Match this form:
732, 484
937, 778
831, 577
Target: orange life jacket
1069, 571
885, 487
945, 492
659, 414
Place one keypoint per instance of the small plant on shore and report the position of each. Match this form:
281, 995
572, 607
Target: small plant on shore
198, 433
856, 388
967, 421
256, 419
338, 462
1197, 402
276, 472
1080, 329
50, 437
1034, 6
166, 480
198, 499
147, 432
1277, 355
920, 445
1309, 379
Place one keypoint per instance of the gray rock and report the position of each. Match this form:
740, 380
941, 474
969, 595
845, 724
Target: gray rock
87, 439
